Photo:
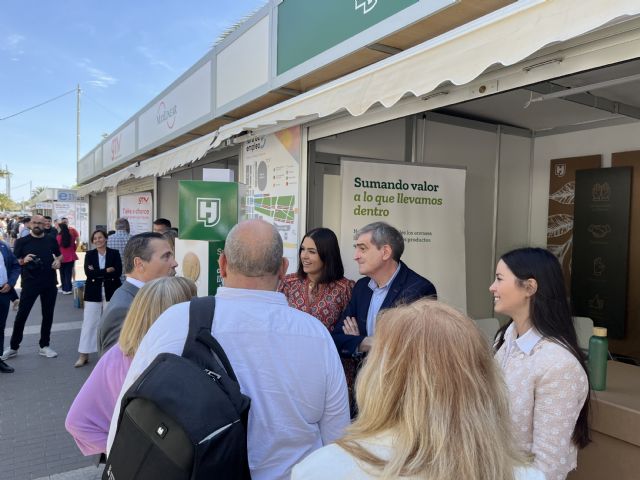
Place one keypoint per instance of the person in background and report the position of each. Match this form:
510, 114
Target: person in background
25, 227
161, 225
67, 241
9, 273
103, 268
319, 286
542, 363
119, 239
39, 256
48, 228
90, 414
432, 405
171, 236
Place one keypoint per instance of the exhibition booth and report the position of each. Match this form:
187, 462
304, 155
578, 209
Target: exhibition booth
471, 142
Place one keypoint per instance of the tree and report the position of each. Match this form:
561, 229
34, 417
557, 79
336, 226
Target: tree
7, 204
36, 191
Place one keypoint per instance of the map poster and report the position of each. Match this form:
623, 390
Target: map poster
426, 204
270, 168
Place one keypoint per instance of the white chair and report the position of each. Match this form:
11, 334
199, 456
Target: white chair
489, 327
584, 330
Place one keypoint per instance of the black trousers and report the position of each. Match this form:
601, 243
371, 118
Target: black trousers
5, 300
30, 292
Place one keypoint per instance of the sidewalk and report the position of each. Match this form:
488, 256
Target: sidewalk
35, 399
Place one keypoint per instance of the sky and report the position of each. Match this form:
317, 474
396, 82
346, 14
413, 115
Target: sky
121, 53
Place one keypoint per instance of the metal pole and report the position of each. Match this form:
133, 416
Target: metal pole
77, 124
8, 181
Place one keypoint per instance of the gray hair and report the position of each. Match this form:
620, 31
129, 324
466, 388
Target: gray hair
138, 246
384, 234
122, 224
253, 255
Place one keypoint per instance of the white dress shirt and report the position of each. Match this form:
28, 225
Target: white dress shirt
285, 360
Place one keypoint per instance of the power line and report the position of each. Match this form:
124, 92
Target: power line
39, 105
116, 115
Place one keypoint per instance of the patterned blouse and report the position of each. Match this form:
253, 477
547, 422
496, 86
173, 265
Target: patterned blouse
547, 389
325, 302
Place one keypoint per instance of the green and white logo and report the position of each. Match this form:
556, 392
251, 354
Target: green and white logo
366, 5
208, 211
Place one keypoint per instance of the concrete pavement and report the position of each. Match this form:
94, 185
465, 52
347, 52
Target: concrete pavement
35, 399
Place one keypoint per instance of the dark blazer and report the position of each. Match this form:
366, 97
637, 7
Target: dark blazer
114, 315
406, 287
96, 277
11, 264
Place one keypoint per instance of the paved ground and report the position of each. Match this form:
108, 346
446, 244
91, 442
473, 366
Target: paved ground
34, 401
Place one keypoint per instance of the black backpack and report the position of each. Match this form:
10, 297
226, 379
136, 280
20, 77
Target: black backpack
184, 417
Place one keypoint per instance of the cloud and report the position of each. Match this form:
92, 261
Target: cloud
153, 59
12, 44
99, 78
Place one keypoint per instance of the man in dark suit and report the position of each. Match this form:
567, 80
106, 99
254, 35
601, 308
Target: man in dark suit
9, 273
387, 282
147, 256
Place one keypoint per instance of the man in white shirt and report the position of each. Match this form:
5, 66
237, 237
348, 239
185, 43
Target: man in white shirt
284, 359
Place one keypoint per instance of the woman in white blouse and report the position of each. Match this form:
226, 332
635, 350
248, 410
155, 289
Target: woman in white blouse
543, 366
433, 405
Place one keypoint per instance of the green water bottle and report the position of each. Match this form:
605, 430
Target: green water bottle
598, 356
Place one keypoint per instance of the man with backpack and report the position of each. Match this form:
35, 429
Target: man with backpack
284, 359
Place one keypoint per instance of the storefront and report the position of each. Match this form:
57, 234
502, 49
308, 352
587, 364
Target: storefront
498, 95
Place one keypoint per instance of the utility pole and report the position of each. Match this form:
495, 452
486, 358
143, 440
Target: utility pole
77, 124
8, 181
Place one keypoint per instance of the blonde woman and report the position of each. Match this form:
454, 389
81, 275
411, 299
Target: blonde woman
432, 406
90, 414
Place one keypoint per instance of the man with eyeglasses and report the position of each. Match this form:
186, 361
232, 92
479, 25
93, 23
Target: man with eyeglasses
39, 256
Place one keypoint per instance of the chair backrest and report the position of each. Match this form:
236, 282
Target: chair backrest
584, 330
489, 327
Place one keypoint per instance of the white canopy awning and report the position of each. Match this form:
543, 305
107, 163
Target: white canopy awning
506, 36
155, 166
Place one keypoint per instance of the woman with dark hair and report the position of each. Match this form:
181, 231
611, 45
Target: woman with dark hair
103, 268
543, 366
319, 287
67, 242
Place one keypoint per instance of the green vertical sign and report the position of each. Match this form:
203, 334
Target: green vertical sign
207, 210
215, 280
309, 27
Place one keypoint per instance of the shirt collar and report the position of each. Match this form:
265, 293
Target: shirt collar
136, 282
251, 295
373, 285
527, 341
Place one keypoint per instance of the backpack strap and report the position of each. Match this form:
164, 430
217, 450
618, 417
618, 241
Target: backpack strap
200, 344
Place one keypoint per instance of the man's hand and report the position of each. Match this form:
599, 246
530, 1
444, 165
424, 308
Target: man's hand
56, 264
5, 288
365, 345
110, 269
350, 326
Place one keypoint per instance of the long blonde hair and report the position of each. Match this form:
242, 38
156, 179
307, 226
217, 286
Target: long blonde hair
152, 299
431, 382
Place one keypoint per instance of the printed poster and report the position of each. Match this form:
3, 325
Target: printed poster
425, 203
271, 170
138, 209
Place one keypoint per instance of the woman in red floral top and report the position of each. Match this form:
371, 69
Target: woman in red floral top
319, 287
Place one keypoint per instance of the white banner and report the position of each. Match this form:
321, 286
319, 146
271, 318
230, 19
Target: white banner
271, 169
78, 215
138, 209
425, 203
